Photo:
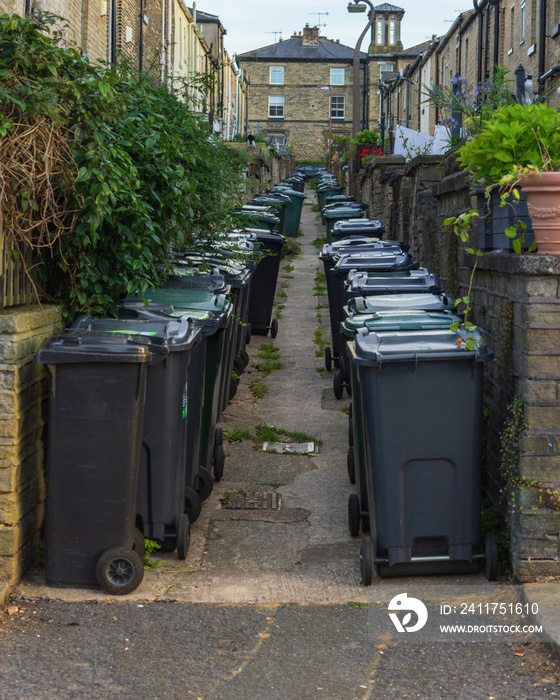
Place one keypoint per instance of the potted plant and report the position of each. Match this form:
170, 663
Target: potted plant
519, 146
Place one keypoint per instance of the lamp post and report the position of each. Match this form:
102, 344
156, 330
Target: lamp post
329, 88
357, 7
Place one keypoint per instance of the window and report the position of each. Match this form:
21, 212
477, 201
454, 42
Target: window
277, 75
386, 68
523, 21
276, 106
512, 25
337, 76
277, 139
337, 111
380, 32
392, 32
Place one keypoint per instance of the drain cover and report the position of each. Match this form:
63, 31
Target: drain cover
253, 500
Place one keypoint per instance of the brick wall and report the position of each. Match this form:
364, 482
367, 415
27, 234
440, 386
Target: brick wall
23, 391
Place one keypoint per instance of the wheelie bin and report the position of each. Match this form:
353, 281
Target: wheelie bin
263, 284
340, 214
293, 216
396, 319
97, 391
171, 432
381, 259
256, 218
280, 204
362, 206
362, 227
332, 198
421, 395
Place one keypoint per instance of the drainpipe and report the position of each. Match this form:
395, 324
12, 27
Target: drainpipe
496, 4
542, 37
480, 38
487, 46
141, 42
407, 100
162, 58
169, 37
112, 33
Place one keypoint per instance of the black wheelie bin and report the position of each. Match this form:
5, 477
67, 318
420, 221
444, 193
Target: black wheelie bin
97, 391
421, 395
169, 439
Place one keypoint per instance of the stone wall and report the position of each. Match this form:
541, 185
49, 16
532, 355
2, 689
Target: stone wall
23, 392
516, 304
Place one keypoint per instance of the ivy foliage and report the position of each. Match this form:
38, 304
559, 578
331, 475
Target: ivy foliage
144, 172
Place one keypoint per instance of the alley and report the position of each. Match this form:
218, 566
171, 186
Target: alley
268, 602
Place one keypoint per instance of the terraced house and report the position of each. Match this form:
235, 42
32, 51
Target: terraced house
163, 37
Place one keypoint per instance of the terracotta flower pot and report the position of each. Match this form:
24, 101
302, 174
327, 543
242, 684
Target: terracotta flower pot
543, 203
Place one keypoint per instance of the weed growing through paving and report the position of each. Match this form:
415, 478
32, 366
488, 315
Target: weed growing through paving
274, 484
225, 497
319, 289
319, 242
319, 369
268, 433
316, 207
320, 342
345, 409
151, 546
288, 268
356, 604
292, 249
268, 351
282, 295
284, 285
258, 388
237, 435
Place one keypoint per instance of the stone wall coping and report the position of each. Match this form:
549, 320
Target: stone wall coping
390, 173
388, 160
18, 319
452, 183
512, 264
421, 161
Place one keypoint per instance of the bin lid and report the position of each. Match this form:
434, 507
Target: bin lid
170, 304
277, 195
177, 334
347, 205
383, 302
339, 198
256, 215
345, 246
263, 234
406, 282
383, 259
292, 194
235, 273
374, 348
373, 225
343, 213
272, 201
81, 346
185, 277
400, 320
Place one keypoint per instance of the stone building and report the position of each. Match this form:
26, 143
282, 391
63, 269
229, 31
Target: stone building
286, 101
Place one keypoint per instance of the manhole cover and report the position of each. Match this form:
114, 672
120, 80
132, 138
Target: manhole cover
253, 500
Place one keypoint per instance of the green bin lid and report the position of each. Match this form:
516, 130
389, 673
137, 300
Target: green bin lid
343, 213
384, 259
402, 282
292, 194
210, 314
75, 346
401, 320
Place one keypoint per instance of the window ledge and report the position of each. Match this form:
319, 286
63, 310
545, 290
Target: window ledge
555, 32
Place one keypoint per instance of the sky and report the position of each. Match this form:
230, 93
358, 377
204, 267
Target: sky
250, 23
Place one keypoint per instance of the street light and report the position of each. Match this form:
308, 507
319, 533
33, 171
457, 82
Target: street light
356, 7
329, 88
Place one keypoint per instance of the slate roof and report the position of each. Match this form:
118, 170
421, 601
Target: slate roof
293, 48
386, 7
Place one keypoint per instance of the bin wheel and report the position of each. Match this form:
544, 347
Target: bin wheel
204, 483
238, 365
119, 570
351, 432
244, 355
248, 334
139, 545
354, 515
337, 384
193, 504
233, 383
219, 463
367, 558
183, 536
218, 437
328, 359
336, 362
350, 465
491, 556
274, 328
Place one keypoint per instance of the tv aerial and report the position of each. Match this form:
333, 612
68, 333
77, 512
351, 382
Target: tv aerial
275, 35
319, 15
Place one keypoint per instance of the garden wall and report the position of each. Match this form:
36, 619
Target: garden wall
516, 303
23, 393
